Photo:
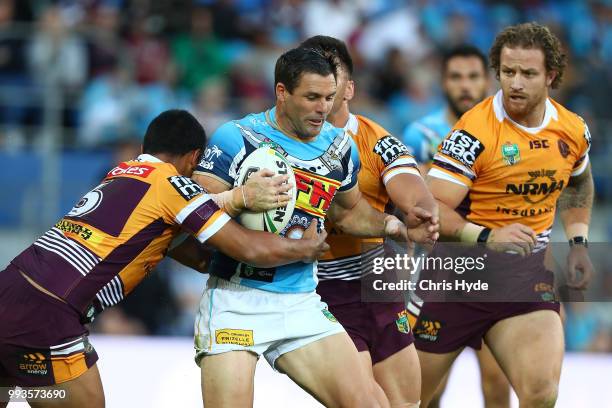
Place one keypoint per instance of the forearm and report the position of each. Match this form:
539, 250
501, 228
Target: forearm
409, 190
452, 225
360, 221
192, 254
268, 251
575, 204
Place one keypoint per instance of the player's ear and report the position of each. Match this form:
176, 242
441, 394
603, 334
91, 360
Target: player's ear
350, 90
550, 77
281, 91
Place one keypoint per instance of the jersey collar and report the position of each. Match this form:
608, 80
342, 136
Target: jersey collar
352, 125
148, 158
549, 114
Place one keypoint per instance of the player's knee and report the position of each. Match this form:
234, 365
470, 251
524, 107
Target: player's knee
539, 394
364, 397
496, 389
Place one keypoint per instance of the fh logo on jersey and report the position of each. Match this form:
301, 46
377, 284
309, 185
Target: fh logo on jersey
314, 193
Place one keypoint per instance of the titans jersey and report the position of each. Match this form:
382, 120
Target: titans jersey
514, 173
322, 167
423, 136
118, 232
382, 157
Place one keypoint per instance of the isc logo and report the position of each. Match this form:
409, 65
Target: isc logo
539, 144
462, 146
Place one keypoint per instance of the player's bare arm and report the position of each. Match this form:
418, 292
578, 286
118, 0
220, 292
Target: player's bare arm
575, 204
267, 250
263, 191
410, 194
352, 214
191, 253
514, 237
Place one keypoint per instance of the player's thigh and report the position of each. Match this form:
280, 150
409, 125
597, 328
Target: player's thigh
433, 369
84, 391
434, 402
331, 370
227, 379
519, 341
379, 393
400, 376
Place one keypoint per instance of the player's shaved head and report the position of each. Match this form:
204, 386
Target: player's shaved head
174, 132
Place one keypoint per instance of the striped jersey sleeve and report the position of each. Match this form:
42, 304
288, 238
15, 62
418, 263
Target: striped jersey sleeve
186, 203
585, 146
457, 157
392, 158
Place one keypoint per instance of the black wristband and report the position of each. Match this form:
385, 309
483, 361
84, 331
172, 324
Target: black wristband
580, 240
483, 237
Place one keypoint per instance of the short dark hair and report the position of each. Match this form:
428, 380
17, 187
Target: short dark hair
531, 35
175, 132
463, 50
298, 61
331, 47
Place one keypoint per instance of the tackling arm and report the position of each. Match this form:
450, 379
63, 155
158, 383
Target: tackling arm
352, 214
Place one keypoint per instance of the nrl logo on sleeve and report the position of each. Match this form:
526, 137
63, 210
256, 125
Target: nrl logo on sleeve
185, 186
389, 149
462, 146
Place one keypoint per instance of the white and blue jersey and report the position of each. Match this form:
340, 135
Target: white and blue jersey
322, 167
423, 136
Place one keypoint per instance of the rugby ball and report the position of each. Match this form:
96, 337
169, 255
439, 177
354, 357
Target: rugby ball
276, 219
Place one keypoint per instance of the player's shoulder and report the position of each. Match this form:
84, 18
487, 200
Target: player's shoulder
371, 129
568, 119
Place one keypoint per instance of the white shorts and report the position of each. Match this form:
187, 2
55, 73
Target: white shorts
235, 317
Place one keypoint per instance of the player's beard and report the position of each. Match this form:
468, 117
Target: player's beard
459, 109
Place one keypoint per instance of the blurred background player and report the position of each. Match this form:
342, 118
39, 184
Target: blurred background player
256, 307
465, 82
518, 135
388, 175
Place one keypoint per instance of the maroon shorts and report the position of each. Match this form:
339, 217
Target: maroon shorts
42, 341
380, 328
443, 327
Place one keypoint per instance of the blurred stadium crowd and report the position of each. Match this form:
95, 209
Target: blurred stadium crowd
95, 72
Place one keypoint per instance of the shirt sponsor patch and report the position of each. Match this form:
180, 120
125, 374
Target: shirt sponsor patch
123, 169
462, 146
185, 186
389, 149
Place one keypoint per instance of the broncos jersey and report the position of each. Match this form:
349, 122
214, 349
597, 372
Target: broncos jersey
118, 232
382, 157
322, 167
423, 136
514, 173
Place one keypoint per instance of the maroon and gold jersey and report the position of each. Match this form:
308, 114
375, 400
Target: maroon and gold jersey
382, 157
514, 174
118, 232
